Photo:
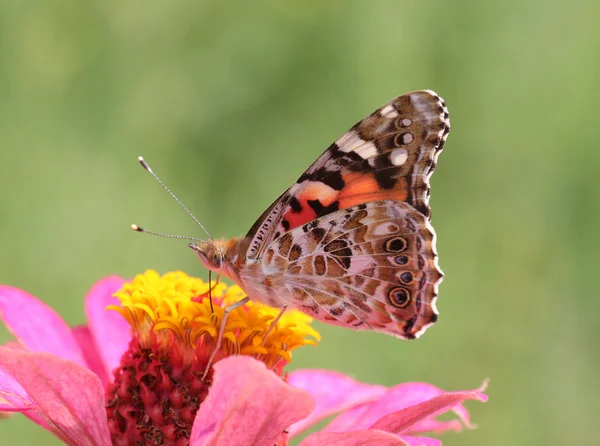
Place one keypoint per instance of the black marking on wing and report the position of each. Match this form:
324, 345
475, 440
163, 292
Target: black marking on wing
295, 204
332, 178
321, 210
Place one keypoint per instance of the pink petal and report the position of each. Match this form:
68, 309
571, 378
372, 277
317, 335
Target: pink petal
402, 420
16, 399
13, 396
396, 398
92, 357
421, 441
111, 332
433, 425
333, 392
6, 407
37, 326
355, 438
70, 397
247, 404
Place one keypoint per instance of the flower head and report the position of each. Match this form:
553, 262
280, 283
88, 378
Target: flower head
179, 332
153, 372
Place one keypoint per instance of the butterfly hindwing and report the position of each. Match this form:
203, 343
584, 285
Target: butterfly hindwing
372, 266
389, 155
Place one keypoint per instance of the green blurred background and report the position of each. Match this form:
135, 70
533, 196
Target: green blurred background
230, 102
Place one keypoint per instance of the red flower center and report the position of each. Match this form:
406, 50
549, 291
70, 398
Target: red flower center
155, 397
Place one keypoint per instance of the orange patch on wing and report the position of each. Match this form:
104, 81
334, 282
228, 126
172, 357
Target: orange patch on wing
363, 188
360, 189
316, 190
312, 191
358, 183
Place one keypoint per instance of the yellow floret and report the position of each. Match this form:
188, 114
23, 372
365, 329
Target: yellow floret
177, 306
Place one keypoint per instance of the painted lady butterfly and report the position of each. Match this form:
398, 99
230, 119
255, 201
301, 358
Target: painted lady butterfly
350, 242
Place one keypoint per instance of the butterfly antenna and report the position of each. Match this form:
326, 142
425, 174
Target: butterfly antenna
146, 166
139, 229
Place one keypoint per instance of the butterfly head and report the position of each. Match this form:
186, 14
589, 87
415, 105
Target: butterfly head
211, 254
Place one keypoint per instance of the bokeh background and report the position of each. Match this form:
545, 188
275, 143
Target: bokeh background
230, 102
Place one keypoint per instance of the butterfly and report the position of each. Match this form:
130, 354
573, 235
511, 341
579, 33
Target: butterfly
350, 242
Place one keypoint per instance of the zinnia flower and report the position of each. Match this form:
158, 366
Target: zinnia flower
152, 372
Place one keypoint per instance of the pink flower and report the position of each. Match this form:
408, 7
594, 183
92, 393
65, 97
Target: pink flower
70, 381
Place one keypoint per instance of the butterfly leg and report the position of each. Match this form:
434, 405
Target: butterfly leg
212, 310
226, 312
273, 324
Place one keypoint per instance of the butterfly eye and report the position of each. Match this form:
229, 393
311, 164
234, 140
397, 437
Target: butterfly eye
399, 297
215, 258
396, 244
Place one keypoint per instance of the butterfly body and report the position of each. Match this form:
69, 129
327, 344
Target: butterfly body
227, 257
350, 242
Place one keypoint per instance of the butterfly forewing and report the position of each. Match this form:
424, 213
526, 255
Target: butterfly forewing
390, 154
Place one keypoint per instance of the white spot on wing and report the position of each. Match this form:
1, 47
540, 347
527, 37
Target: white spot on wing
398, 157
385, 228
389, 111
349, 141
367, 150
